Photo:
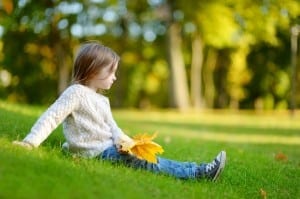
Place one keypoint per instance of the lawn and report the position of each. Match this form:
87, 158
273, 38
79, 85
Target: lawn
263, 150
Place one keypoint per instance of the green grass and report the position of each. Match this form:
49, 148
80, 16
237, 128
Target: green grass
251, 140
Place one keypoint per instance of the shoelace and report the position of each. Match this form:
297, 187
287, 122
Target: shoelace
211, 165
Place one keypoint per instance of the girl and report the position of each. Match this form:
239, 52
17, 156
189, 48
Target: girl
88, 124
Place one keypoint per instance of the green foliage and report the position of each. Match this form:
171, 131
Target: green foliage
271, 77
238, 75
218, 29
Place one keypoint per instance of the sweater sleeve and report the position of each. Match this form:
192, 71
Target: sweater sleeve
52, 117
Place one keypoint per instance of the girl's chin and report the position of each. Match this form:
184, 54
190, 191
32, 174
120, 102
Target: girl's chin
106, 88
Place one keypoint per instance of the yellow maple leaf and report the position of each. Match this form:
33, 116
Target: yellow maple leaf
144, 148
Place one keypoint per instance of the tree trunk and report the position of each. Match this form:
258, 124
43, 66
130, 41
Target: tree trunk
179, 87
208, 76
196, 72
63, 67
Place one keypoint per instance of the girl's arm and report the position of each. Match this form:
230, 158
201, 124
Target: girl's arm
51, 118
119, 137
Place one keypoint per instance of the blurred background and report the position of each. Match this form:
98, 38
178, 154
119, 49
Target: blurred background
182, 54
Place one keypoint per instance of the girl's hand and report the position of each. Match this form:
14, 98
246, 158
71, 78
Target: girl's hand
125, 144
23, 144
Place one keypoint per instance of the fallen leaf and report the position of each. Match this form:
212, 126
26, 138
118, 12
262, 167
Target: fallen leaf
263, 194
281, 157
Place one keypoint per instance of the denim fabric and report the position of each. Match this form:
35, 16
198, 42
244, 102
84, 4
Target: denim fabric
182, 170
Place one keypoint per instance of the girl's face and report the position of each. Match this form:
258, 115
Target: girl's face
104, 79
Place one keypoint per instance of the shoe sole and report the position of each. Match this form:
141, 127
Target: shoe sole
222, 165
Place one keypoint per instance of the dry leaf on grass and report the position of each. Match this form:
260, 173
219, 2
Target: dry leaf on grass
281, 157
263, 194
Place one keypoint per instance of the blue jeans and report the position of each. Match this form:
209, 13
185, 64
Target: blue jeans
182, 170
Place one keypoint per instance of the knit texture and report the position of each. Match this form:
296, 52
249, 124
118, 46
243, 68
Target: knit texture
88, 124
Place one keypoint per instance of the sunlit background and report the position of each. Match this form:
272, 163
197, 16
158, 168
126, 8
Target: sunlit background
206, 54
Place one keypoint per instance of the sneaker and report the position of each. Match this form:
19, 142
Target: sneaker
214, 169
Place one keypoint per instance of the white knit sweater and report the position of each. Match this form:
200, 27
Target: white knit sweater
88, 124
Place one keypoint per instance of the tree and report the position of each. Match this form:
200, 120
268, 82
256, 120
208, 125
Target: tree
236, 52
265, 25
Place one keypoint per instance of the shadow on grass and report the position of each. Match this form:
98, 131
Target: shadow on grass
218, 132
219, 128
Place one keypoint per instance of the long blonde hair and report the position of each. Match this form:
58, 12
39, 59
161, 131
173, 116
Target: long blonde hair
91, 59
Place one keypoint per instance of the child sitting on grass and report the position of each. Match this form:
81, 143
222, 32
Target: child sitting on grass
89, 127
